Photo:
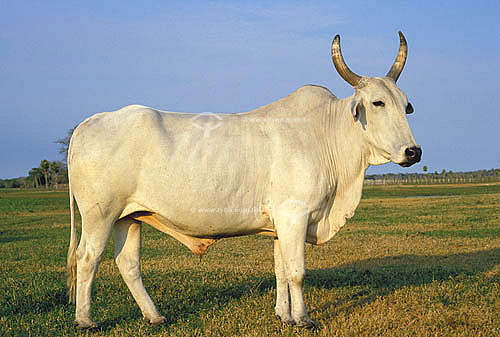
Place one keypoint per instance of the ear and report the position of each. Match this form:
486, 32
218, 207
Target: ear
356, 109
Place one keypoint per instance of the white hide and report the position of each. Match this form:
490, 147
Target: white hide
293, 169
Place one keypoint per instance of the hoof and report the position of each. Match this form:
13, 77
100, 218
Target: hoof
85, 325
155, 321
306, 323
285, 320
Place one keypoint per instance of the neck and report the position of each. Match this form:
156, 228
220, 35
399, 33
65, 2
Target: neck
345, 151
346, 161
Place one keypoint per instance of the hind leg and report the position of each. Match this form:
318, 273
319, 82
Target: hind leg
95, 234
127, 236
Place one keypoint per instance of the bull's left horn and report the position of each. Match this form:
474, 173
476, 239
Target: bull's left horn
400, 61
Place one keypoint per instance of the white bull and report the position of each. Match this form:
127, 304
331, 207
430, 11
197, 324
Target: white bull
297, 164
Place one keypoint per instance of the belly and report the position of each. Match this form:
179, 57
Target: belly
205, 221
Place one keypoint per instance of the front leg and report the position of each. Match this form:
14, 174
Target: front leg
291, 232
282, 308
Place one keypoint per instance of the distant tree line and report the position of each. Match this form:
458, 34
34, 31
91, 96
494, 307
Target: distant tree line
436, 177
49, 174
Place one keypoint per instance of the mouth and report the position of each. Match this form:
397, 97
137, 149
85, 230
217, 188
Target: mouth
409, 162
406, 164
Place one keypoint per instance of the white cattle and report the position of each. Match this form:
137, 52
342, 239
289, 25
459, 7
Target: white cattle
292, 169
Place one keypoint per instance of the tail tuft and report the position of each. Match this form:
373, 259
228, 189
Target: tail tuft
71, 262
71, 270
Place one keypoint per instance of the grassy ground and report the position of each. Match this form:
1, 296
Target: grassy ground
403, 266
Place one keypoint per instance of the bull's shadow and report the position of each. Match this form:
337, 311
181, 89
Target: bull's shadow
381, 275
385, 275
404, 270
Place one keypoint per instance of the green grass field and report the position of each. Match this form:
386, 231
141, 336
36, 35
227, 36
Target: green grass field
403, 266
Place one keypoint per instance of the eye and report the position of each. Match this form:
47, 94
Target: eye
409, 108
378, 103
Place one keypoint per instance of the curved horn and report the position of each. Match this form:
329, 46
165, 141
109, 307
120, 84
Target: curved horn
342, 68
400, 61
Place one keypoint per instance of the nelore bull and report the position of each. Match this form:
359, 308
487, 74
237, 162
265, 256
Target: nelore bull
299, 161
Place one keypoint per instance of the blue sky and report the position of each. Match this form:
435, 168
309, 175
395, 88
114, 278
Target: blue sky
62, 61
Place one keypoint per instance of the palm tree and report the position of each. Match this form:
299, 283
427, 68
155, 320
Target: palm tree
44, 166
35, 174
55, 169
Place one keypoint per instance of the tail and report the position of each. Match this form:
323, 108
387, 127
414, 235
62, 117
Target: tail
71, 266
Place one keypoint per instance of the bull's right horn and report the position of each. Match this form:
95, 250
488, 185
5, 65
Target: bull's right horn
342, 68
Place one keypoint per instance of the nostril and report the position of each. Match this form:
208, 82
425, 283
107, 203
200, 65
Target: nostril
413, 154
410, 153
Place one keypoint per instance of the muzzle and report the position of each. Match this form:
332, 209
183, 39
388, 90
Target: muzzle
413, 155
